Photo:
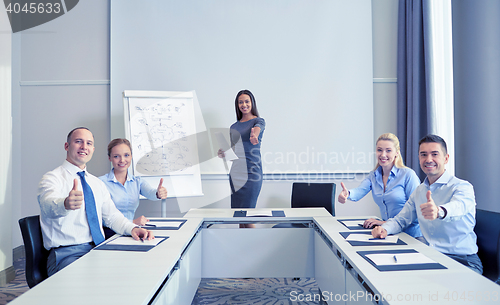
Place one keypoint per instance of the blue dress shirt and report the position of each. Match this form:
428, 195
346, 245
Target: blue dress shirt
455, 233
400, 185
126, 197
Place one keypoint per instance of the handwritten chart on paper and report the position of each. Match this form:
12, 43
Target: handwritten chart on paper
160, 130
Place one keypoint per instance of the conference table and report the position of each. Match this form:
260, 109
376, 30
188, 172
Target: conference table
295, 242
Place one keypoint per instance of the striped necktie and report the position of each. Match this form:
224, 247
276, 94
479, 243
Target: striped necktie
91, 211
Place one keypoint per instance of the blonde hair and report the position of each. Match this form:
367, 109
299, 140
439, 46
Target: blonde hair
398, 160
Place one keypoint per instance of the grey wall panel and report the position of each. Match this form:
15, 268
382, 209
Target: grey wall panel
48, 114
476, 51
71, 48
74, 46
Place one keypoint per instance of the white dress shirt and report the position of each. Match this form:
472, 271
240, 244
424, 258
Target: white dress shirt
61, 227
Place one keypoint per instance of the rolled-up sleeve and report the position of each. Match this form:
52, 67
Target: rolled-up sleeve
361, 191
147, 190
403, 219
461, 203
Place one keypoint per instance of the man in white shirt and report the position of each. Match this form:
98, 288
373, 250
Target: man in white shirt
64, 219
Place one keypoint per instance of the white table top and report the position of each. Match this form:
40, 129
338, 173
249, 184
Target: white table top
113, 277
126, 277
452, 282
209, 214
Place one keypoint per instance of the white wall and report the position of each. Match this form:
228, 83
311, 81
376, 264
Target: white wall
6, 140
308, 88
277, 193
75, 48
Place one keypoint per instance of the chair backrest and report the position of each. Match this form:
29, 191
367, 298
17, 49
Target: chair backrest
317, 195
487, 230
36, 254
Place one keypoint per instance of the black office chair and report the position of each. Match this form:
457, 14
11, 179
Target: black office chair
36, 254
487, 230
311, 195
314, 195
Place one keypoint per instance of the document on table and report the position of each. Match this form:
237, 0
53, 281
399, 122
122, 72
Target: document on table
353, 223
151, 225
160, 232
129, 241
399, 259
369, 238
259, 213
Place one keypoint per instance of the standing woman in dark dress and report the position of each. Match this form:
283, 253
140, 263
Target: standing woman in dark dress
245, 176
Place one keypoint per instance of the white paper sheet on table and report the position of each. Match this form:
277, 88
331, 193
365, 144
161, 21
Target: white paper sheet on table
259, 213
369, 238
162, 233
162, 224
129, 241
401, 259
353, 223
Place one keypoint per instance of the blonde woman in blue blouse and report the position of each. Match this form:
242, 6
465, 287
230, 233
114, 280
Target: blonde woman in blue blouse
124, 187
391, 184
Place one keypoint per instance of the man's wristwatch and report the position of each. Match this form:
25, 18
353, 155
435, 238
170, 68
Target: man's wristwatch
441, 213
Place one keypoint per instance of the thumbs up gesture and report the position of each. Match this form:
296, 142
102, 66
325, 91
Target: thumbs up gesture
344, 194
75, 198
254, 136
161, 191
429, 209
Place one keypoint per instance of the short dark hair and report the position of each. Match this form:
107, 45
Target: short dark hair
432, 138
68, 138
116, 142
254, 110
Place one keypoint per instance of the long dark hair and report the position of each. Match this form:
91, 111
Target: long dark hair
254, 110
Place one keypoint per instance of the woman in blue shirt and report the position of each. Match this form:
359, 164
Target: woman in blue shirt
391, 183
126, 188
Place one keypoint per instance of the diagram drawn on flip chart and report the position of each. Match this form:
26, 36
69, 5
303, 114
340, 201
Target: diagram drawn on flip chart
162, 132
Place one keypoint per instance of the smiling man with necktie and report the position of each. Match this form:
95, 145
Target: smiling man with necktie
74, 204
